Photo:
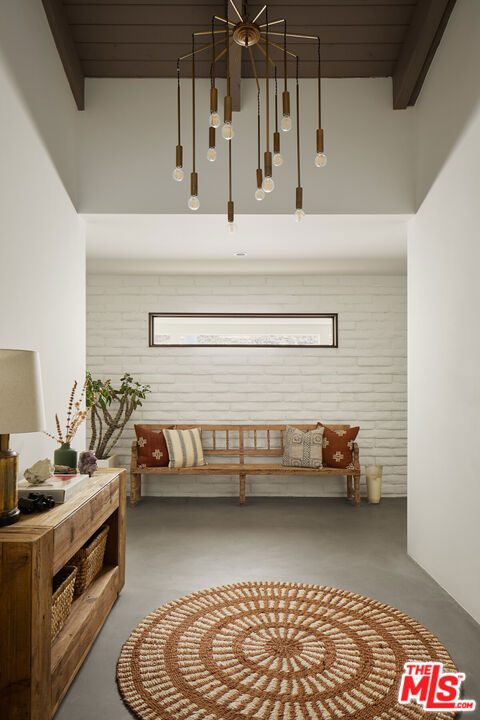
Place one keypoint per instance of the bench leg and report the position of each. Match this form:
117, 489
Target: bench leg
357, 489
135, 488
349, 487
242, 479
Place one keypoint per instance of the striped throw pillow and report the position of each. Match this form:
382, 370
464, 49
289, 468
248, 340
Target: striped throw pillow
184, 448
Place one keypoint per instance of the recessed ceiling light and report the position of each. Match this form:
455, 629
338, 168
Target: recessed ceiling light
240, 253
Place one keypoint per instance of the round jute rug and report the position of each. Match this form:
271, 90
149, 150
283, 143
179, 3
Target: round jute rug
274, 651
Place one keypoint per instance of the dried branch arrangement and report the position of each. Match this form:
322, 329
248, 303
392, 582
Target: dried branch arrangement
75, 412
111, 411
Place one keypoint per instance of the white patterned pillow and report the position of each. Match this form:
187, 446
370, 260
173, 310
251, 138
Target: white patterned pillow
184, 448
303, 448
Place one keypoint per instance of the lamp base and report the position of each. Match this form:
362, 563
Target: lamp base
9, 512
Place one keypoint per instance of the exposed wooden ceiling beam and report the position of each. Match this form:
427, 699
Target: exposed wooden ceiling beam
62, 34
422, 39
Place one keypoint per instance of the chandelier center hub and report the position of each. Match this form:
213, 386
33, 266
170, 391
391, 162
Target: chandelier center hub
246, 34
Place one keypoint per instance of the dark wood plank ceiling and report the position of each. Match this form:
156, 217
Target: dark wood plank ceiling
360, 38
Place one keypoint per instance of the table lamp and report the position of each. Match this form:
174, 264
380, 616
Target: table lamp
21, 411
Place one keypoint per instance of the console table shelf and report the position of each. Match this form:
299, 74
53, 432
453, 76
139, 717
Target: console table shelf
35, 673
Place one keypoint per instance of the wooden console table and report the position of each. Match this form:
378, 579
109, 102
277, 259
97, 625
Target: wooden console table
34, 672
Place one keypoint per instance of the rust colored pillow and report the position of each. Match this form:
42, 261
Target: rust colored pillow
151, 447
338, 446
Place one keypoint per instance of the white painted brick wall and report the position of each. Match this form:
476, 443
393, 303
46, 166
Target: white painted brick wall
362, 382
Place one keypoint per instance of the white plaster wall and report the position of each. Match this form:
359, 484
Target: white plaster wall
449, 96
362, 382
444, 343
127, 139
29, 51
42, 249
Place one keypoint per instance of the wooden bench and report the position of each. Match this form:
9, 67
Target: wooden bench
241, 441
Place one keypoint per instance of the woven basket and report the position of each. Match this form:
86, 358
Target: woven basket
63, 585
89, 560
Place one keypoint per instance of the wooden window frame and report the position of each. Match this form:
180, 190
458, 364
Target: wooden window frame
288, 316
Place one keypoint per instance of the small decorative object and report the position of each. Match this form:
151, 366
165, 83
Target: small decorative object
21, 411
87, 462
35, 502
65, 456
374, 482
39, 472
111, 409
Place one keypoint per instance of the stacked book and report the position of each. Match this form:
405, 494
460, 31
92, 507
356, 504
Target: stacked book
60, 487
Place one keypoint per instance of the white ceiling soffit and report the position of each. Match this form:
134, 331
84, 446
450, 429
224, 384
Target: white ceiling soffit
366, 244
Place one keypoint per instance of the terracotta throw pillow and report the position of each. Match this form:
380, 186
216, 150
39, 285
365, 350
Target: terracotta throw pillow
303, 448
151, 447
338, 446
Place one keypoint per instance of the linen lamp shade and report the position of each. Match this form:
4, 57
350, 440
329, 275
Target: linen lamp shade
21, 411
21, 394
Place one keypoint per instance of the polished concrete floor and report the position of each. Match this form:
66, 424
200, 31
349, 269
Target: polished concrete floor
175, 547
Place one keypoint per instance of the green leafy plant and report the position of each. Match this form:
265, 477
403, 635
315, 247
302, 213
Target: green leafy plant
111, 409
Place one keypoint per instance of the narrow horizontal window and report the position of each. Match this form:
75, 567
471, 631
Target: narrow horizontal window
243, 330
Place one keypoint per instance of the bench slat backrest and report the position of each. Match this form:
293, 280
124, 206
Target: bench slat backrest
241, 440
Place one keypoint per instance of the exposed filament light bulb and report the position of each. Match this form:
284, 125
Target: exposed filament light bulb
277, 159
268, 184
320, 159
231, 227
286, 123
177, 174
211, 154
227, 131
299, 215
214, 120
259, 194
193, 202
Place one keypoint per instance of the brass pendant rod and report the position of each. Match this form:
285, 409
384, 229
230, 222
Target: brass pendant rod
227, 38
258, 127
279, 47
236, 10
207, 32
293, 35
213, 52
267, 104
178, 103
319, 87
227, 22
285, 56
276, 101
271, 22
258, 14
204, 47
193, 103
298, 125
262, 50
230, 170
221, 54
254, 68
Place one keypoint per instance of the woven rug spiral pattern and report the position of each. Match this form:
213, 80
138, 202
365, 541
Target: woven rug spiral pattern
274, 651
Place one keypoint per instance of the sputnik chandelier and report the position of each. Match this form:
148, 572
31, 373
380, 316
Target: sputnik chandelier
249, 34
